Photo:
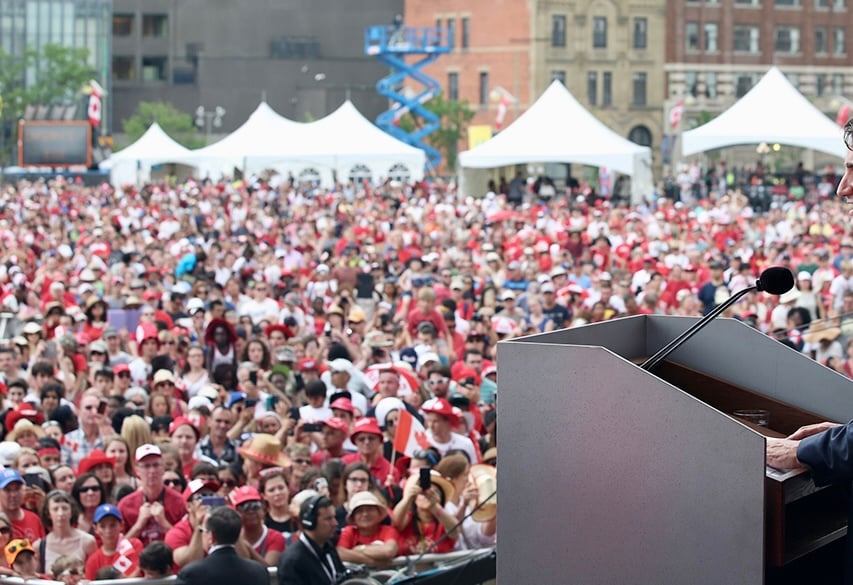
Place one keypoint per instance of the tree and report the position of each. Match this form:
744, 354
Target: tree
60, 75
453, 117
177, 124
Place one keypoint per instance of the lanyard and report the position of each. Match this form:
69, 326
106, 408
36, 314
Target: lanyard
331, 575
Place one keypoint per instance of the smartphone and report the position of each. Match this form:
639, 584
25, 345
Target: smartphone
312, 427
102, 407
424, 479
251, 402
212, 501
49, 350
34, 480
253, 377
272, 401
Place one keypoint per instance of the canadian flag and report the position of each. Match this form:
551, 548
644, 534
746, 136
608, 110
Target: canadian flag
411, 435
95, 104
504, 99
675, 114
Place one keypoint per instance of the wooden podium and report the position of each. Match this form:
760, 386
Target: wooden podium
610, 474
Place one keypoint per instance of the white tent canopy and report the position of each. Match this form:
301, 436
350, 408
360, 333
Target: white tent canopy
134, 162
772, 112
559, 129
345, 140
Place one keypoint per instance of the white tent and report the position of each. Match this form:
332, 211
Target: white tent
772, 112
133, 163
347, 141
559, 129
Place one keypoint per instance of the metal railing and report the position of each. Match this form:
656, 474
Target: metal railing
430, 561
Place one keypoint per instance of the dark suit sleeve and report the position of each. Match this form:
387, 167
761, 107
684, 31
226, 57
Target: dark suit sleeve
829, 455
287, 571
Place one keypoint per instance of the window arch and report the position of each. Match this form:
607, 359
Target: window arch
640, 135
360, 173
309, 175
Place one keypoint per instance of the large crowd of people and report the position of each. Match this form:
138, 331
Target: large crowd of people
275, 349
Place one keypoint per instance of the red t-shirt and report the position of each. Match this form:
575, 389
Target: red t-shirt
29, 526
274, 540
380, 468
125, 558
411, 544
351, 537
180, 534
175, 509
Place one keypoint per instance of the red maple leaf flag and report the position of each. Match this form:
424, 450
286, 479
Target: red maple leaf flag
95, 104
411, 435
675, 114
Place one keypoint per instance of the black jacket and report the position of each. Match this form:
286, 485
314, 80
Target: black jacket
299, 565
224, 567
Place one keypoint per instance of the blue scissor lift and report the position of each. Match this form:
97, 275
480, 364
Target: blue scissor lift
392, 45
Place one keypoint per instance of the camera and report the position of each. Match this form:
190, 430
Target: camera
424, 479
312, 427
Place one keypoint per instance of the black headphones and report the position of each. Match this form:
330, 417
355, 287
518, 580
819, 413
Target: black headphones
308, 510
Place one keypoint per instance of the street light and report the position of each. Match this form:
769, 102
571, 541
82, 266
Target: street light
209, 119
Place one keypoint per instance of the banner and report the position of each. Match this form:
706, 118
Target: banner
477, 135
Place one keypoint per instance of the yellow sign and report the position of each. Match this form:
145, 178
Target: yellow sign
477, 135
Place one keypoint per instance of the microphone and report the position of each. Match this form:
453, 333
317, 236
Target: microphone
775, 280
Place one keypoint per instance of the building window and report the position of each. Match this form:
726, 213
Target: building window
607, 89
711, 84
743, 84
748, 2
640, 135
599, 32
691, 36
466, 32
559, 76
640, 29
838, 47
122, 25
821, 41
820, 84
154, 69
484, 88
592, 88
155, 25
558, 30
838, 84
451, 31
691, 83
787, 2
835, 4
453, 86
711, 36
358, 174
746, 39
123, 68
793, 79
639, 89
787, 40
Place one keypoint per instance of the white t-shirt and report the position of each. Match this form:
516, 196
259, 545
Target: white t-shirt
457, 441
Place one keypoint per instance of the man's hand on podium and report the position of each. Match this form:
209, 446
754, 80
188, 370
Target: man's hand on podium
809, 430
782, 453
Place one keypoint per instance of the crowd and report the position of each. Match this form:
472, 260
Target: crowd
323, 362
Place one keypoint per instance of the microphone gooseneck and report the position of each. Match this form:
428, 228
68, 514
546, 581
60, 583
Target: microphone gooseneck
775, 280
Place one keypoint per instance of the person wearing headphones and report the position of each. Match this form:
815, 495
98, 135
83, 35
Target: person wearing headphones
313, 558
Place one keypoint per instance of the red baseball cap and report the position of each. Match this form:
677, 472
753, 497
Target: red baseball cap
344, 404
197, 485
367, 424
245, 493
183, 420
441, 407
308, 365
337, 424
119, 368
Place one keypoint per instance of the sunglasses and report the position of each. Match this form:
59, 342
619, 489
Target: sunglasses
229, 482
172, 481
250, 506
436, 381
89, 488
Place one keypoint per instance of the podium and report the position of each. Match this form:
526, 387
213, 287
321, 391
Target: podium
610, 474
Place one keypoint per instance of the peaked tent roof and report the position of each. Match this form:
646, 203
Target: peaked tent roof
557, 128
262, 136
773, 112
345, 137
153, 147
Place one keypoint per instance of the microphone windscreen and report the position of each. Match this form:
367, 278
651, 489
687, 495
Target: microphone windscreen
776, 280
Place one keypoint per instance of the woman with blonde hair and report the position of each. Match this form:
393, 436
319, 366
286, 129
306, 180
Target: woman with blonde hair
25, 458
136, 432
118, 447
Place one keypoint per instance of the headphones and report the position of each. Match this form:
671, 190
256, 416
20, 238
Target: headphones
308, 510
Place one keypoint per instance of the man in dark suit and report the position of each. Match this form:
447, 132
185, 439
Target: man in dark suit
826, 449
313, 558
222, 566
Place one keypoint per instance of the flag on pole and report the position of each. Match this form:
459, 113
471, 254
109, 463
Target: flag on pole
504, 100
411, 435
95, 103
675, 114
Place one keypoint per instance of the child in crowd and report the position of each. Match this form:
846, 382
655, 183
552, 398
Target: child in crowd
116, 551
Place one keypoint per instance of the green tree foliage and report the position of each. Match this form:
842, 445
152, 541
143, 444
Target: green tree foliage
61, 74
177, 124
454, 117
